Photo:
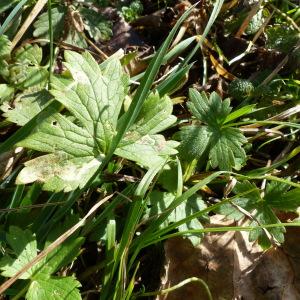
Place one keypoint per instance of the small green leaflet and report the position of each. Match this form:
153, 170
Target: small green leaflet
276, 196
77, 144
26, 70
221, 143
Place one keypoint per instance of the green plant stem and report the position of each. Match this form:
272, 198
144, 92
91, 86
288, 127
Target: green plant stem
224, 229
179, 285
51, 41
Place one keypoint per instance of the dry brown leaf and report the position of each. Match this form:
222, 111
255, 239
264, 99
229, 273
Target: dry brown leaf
220, 69
232, 267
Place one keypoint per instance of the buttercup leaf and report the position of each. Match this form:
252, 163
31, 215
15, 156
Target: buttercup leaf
77, 144
261, 208
222, 144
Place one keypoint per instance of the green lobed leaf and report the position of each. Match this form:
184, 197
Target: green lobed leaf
24, 247
260, 208
94, 97
212, 111
155, 116
278, 196
77, 144
222, 145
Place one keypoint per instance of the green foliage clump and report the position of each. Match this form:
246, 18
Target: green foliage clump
282, 38
133, 11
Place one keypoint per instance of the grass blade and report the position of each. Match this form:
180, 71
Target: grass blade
11, 16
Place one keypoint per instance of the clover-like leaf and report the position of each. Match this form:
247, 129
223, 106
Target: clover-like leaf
77, 144
249, 198
213, 138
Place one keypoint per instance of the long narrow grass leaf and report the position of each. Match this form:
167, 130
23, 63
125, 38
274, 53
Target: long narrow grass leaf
11, 16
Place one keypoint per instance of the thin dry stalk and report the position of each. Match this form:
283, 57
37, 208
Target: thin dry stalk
35, 11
